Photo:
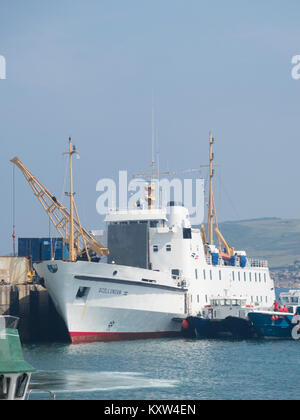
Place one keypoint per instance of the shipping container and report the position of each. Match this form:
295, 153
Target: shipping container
41, 249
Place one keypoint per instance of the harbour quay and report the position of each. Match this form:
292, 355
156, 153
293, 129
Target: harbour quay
22, 296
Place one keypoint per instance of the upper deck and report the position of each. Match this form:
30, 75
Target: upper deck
237, 262
136, 215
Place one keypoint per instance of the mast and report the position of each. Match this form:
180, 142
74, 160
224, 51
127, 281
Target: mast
71, 152
210, 237
212, 214
151, 186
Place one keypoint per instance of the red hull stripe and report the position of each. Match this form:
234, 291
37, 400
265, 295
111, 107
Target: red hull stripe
85, 337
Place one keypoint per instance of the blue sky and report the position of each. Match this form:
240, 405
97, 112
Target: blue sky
89, 69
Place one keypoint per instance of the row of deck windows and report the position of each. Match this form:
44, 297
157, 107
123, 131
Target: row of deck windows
235, 276
254, 299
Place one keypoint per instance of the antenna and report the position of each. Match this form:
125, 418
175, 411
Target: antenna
14, 214
153, 141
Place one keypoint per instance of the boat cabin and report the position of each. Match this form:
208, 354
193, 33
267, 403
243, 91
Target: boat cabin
221, 308
291, 300
15, 373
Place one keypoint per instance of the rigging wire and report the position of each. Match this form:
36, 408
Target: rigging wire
14, 213
230, 200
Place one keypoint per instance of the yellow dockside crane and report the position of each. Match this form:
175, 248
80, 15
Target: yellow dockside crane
66, 221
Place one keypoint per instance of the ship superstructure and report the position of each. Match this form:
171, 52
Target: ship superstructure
159, 270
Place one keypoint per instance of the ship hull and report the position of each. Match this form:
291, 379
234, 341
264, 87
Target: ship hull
104, 302
233, 327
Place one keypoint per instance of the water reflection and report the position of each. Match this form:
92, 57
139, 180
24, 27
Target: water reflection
84, 381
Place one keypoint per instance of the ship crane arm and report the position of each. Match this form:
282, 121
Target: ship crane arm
229, 250
60, 216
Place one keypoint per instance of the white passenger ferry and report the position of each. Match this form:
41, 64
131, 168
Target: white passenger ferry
159, 270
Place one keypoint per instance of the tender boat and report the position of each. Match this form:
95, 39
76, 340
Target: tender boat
276, 324
223, 317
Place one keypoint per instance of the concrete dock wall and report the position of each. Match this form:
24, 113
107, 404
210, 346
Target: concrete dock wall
39, 321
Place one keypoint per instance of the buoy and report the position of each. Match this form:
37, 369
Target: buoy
185, 324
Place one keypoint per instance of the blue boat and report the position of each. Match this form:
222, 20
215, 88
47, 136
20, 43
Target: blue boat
276, 324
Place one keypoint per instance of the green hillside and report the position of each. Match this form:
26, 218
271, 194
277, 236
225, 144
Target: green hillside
277, 240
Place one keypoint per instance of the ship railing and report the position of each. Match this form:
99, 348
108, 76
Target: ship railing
51, 395
251, 262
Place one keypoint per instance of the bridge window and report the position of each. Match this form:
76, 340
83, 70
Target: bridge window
4, 387
155, 248
168, 248
21, 385
187, 233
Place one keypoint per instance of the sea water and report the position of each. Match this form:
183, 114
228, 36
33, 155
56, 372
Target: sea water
167, 369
